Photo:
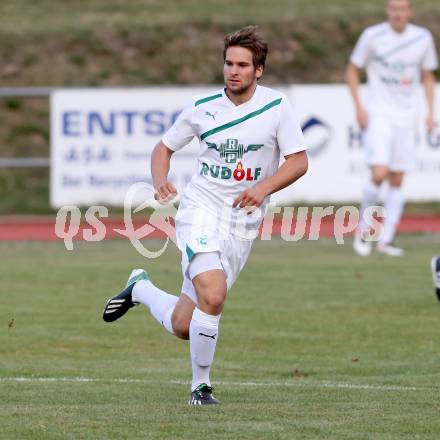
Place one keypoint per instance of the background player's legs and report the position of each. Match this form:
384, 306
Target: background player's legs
394, 203
211, 289
371, 191
361, 243
378, 141
402, 160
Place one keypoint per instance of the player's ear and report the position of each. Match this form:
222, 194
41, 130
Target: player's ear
259, 71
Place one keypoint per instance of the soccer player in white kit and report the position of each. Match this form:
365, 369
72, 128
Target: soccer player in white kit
397, 55
242, 130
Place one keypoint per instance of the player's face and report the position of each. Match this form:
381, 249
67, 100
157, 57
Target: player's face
399, 13
239, 70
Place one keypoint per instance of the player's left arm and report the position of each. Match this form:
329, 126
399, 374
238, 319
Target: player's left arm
291, 170
428, 80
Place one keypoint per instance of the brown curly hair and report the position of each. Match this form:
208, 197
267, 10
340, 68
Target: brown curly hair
249, 38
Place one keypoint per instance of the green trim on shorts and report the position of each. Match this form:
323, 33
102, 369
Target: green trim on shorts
190, 253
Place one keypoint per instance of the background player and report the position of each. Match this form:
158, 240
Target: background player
242, 130
396, 56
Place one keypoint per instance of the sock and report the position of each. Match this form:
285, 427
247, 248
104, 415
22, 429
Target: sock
369, 198
394, 203
203, 335
160, 303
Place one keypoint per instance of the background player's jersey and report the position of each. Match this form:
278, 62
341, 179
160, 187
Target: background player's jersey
394, 62
239, 147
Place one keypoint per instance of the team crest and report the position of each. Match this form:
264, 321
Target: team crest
232, 151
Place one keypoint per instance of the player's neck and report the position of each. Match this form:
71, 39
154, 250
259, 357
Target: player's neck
241, 98
399, 29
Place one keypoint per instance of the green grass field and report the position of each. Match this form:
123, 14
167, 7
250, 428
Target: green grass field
315, 343
24, 16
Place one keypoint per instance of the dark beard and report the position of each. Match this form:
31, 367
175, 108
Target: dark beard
241, 91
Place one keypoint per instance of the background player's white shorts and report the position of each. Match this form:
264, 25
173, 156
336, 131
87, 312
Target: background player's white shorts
391, 141
197, 233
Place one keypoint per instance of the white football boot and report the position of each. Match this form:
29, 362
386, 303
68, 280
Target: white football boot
389, 249
361, 246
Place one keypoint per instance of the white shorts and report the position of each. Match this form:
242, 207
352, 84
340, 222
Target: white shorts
391, 142
196, 232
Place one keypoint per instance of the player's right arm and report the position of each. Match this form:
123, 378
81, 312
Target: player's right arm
180, 134
428, 65
358, 60
164, 190
352, 77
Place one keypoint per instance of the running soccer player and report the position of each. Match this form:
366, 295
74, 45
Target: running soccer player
396, 55
242, 130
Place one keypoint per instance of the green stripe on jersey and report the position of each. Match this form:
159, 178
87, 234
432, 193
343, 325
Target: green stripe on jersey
403, 46
240, 120
207, 99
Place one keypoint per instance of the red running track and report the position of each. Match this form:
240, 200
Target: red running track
31, 228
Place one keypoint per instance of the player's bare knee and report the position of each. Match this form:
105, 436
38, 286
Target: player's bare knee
203, 282
213, 301
380, 174
377, 181
379, 178
396, 180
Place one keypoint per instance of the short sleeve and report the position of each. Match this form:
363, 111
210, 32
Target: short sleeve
290, 138
182, 132
429, 60
361, 52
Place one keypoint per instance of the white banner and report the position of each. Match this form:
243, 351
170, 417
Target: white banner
102, 140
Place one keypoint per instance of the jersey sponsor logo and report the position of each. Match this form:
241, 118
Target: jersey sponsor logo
402, 81
232, 151
225, 173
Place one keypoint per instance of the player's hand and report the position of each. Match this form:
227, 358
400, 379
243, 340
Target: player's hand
165, 192
251, 199
430, 123
362, 118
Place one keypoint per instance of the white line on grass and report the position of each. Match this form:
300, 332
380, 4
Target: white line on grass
339, 385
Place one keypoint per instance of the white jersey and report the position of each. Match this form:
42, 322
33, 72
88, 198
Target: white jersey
394, 62
240, 145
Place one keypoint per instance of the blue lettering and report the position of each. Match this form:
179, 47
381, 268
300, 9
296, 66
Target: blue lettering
355, 137
129, 121
70, 123
71, 181
433, 139
174, 116
155, 123
97, 124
